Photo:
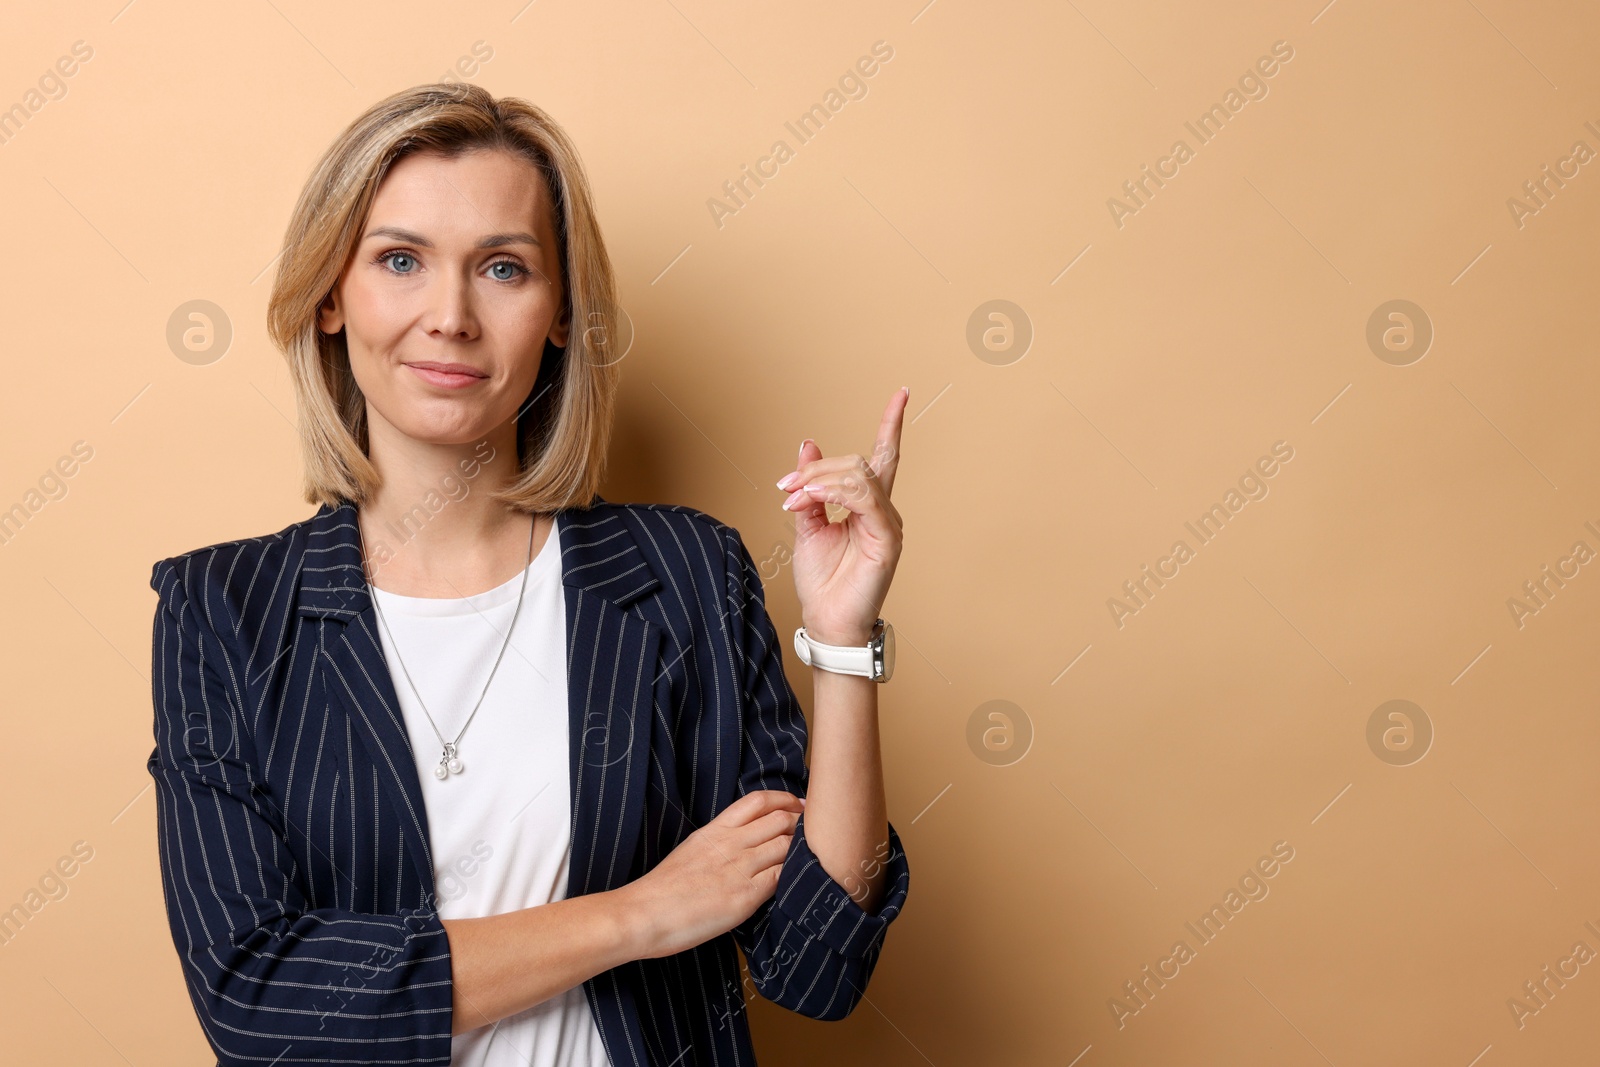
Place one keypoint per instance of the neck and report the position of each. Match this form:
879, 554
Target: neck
433, 529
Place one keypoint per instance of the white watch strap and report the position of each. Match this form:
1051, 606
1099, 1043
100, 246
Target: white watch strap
840, 659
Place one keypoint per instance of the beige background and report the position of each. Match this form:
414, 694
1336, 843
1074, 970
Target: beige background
1228, 313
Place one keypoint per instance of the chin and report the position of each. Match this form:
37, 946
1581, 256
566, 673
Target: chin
431, 433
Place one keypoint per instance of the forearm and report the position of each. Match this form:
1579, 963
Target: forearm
504, 964
846, 816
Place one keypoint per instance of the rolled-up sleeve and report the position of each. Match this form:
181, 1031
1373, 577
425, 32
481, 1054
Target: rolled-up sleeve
811, 948
272, 980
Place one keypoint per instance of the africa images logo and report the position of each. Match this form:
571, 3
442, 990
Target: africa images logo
1137, 593
852, 85
1252, 85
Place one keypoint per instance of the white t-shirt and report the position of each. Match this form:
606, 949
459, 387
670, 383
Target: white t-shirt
501, 829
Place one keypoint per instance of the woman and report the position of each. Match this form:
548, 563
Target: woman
474, 766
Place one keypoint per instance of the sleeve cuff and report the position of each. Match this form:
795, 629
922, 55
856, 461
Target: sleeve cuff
809, 898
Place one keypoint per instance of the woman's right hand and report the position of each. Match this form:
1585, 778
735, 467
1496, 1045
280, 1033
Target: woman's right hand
717, 877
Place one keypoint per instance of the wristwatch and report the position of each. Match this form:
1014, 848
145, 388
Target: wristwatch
874, 660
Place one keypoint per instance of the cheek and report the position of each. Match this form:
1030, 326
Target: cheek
377, 313
517, 328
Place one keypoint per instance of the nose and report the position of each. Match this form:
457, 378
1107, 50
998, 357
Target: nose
450, 312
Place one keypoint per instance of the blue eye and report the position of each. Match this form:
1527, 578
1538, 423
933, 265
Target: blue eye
505, 270
388, 259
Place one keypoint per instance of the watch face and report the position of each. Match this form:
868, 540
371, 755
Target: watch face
888, 651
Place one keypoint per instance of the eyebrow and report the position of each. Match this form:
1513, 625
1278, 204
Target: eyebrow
494, 240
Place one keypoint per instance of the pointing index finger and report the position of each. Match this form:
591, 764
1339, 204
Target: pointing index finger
886, 450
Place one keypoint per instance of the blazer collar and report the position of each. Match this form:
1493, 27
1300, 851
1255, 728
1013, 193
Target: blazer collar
602, 558
611, 677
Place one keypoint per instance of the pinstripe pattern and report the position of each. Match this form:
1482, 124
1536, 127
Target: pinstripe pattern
295, 861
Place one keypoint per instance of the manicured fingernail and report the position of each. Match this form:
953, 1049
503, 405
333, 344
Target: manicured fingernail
794, 496
802, 802
811, 488
803, 444
787, 481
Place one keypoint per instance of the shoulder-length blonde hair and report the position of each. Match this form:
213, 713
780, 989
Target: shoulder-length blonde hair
565, 425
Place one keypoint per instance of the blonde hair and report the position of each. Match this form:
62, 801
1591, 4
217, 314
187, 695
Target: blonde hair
565, 426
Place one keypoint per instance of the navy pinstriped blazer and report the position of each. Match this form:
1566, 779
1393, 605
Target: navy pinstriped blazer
295, 861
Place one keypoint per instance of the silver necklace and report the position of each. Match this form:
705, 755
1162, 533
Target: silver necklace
449, 762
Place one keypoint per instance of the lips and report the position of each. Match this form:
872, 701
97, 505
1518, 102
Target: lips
447, 375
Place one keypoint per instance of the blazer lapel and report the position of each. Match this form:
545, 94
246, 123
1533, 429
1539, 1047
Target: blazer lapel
611, 672
611, 667
333, 588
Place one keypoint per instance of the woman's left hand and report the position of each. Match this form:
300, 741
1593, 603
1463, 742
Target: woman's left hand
842, 569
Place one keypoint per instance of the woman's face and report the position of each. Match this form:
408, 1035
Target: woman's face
453, 288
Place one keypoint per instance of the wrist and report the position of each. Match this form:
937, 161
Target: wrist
635, 930
849, 638
855, 649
